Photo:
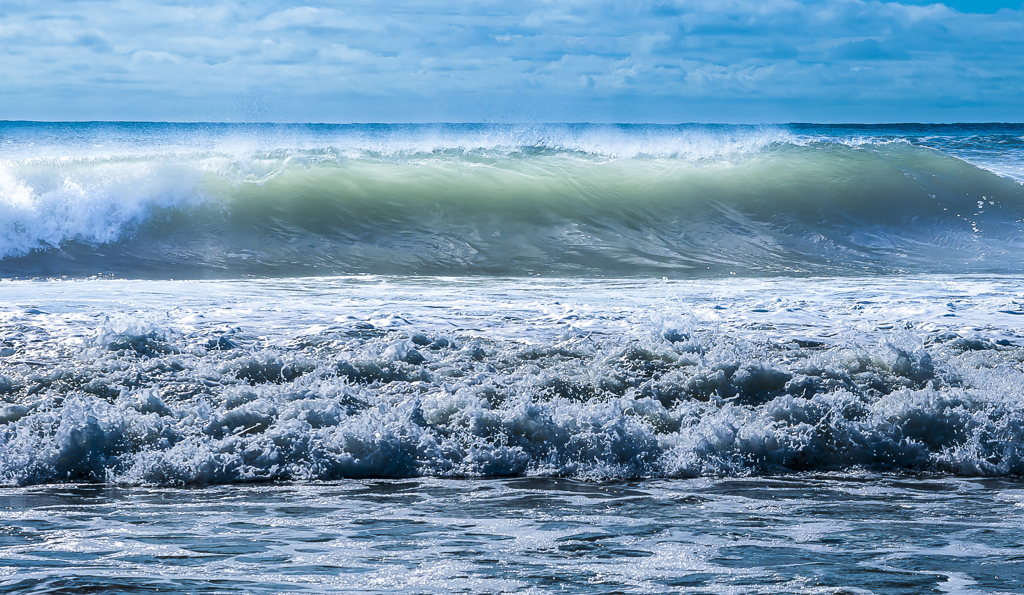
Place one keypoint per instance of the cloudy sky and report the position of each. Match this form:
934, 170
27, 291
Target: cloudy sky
520, 60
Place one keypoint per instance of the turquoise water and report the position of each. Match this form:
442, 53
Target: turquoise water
223, 201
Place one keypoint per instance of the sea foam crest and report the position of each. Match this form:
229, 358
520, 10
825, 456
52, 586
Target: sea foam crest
47, 202
696, 143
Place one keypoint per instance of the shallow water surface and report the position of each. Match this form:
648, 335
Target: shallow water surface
798, 534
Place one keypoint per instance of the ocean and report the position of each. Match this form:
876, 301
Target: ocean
482, 358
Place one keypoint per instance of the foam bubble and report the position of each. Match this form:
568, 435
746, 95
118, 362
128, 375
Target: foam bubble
153, 405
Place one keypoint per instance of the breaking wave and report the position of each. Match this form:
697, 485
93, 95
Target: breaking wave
545, 201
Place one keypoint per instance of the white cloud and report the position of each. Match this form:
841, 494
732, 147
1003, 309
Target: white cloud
314, 18
166, 59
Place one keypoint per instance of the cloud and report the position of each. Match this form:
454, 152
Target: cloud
95, 41
866, 51
688, 59
310, 18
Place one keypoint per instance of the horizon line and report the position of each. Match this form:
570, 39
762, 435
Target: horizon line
511, 123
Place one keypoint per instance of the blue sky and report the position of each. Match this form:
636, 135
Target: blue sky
571, 60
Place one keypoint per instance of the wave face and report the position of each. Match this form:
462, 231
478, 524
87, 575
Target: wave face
193, 201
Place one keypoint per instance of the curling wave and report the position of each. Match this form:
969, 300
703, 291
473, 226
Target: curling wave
762, 204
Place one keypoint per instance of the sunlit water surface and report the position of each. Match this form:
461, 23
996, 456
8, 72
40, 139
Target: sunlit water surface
803, 534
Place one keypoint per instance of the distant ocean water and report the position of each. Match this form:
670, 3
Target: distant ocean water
488, 358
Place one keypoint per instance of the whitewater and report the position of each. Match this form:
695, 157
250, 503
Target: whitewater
483, 358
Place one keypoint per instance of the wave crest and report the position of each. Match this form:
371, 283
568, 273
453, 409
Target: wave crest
818, 208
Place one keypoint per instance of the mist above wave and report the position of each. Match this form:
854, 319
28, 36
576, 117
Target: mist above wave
103, 140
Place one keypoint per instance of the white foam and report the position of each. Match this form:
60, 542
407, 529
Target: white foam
643, 379
45, 203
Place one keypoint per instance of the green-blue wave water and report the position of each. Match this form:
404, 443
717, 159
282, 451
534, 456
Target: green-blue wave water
193, 201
